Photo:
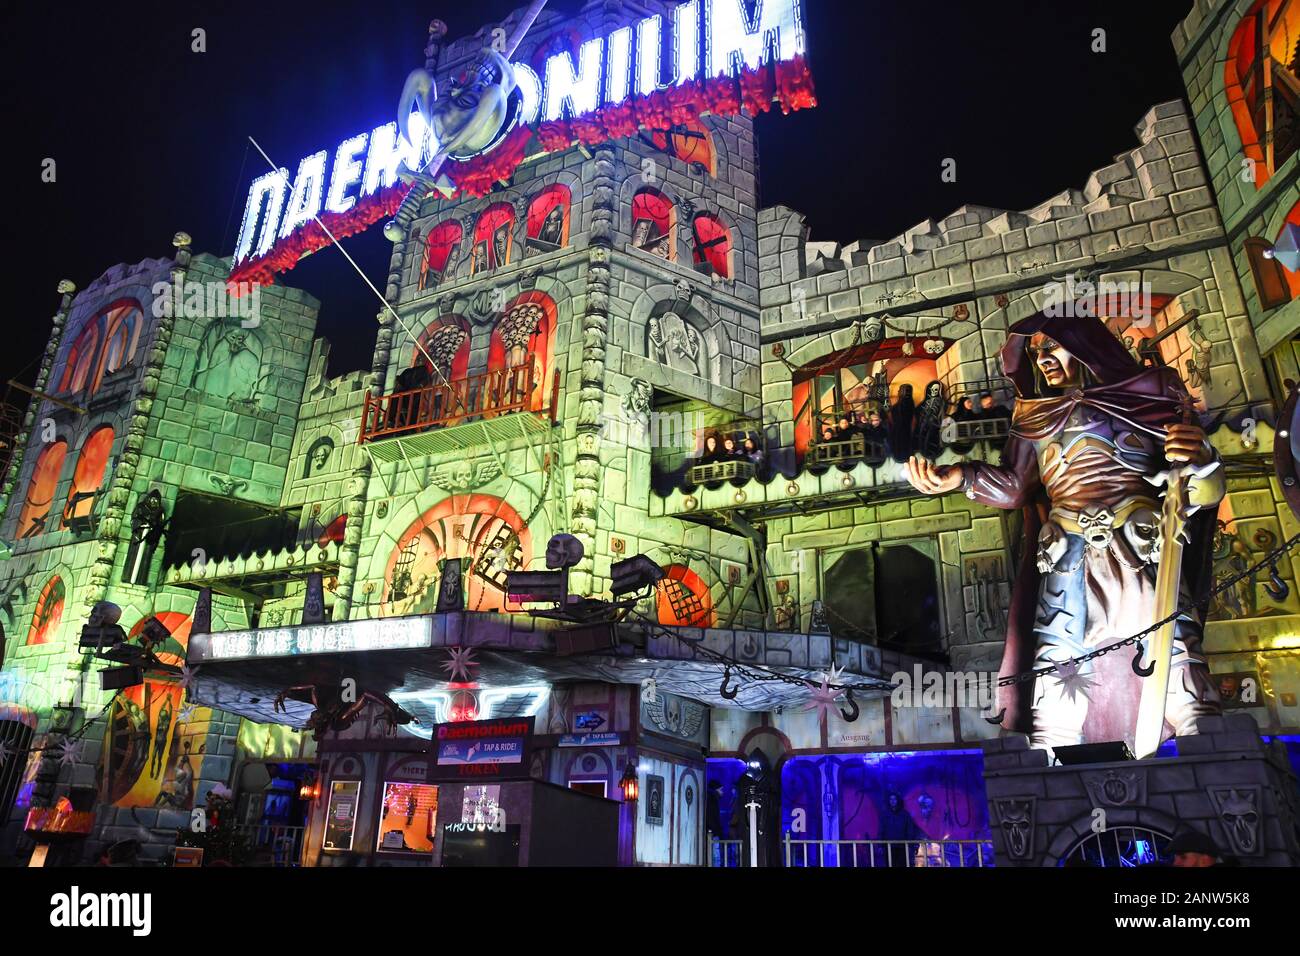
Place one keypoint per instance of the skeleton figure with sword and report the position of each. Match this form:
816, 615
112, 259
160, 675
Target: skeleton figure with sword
1095, 440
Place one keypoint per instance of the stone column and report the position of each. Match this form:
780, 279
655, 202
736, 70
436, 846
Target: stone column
591, 396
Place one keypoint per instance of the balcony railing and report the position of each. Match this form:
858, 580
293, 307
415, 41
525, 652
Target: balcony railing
473, 398
274, 844
834, 854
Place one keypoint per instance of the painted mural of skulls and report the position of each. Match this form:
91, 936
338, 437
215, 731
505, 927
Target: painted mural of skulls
1142, 532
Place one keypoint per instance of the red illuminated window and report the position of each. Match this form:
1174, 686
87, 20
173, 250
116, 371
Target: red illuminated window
439, 248
41, 489
1261, 86
690, 142
548, 219
121, 331
653, 218
492, 238
48, 613
88, 476
684, 599
711, 245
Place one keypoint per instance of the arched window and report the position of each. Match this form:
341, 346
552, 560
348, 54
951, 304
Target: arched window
548, 219
653, 219
492, 238
48, 613
684, 599
87, 478
105, 345
1261, 85
521, 348
690, 142
41, 489
121, 333
440, 253
81, 358
711, 245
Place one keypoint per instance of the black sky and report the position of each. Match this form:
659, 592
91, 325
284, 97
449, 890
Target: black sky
150, 138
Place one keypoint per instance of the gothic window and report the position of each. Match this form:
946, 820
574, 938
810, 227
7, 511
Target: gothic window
684, 599
524, 339
492, 238
1270, 277
41, 488
48, 613
690, 142
441, 250
1262, 82
711, 245
105, 345
122, 331
548, 219
653, 218
87, 477
76, 371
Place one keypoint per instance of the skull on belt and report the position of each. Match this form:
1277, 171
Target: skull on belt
1097, 528
1142, 531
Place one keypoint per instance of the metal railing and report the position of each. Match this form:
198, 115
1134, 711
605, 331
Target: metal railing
1121, 847
284, 843
497, 392
888, 853
725, 854
737, 469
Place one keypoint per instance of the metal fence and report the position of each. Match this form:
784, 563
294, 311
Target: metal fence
275, 845
1120, 846
863, 853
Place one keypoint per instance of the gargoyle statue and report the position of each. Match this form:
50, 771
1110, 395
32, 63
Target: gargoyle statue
334, 713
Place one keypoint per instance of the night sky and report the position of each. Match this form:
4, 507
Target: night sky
151, 138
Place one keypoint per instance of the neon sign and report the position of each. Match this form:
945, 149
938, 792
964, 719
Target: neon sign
345, 637
710, 39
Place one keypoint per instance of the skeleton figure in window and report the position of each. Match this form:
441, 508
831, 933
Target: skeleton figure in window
647, 235
679, 343
929, 422
148, 522
552, 231
500, 245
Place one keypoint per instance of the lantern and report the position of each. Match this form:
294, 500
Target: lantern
628, 785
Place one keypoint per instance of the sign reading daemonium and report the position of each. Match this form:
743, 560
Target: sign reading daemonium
346, 637
708, 38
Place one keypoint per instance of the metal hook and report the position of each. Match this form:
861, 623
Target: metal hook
1277, 588
1137, 663
728, 693
998, 719
851, 714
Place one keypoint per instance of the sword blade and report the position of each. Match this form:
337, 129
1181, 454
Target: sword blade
1151, 710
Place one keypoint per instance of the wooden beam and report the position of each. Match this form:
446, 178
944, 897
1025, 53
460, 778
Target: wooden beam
47, 397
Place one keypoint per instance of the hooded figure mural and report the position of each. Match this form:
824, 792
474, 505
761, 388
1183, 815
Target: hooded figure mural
1090, 427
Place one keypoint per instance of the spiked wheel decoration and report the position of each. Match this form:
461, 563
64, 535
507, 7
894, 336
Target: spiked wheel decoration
69, 752
460, 661
1067, 672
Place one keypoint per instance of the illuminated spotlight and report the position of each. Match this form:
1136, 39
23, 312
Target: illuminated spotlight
521, 701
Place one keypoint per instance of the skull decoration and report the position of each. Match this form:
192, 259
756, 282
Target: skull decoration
1016, 817
1240, 813
104, 614
1142, 531
1097, 528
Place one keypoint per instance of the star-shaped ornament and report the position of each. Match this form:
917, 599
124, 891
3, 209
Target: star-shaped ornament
1075, 683
825, 699
460, 660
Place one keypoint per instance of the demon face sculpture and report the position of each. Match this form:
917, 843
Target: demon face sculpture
470, 116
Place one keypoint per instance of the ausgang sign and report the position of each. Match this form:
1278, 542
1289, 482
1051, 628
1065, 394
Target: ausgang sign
706, 39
